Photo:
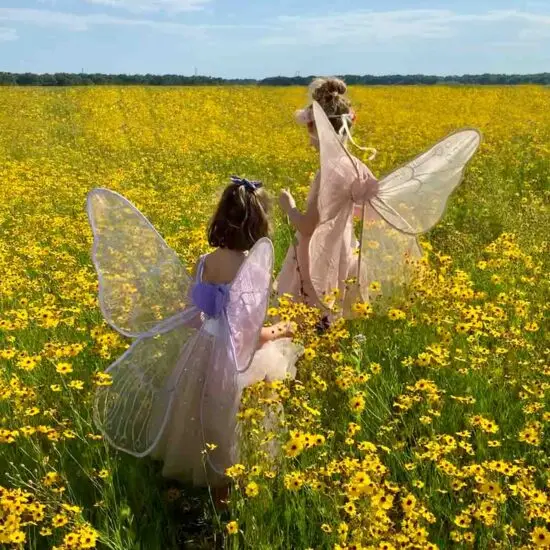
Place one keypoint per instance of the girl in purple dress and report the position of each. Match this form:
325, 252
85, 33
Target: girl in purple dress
199, 341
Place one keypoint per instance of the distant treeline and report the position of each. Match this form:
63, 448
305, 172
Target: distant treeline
83, 79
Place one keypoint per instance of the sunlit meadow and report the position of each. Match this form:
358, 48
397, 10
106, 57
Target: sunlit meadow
425, 424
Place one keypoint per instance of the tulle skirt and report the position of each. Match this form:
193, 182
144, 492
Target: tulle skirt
182, 446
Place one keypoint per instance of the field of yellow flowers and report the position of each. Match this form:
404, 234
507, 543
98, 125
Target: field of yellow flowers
423, 425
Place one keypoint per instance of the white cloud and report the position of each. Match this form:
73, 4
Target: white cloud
367, 26
353, 28
7, 35
78, 23
153, 5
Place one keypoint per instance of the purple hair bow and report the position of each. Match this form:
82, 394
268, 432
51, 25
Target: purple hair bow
250, 185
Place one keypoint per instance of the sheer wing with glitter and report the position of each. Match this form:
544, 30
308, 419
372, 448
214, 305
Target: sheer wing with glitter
404, 204
143, 289
244, 317
410, 201
344, 181
142, 282
413, 198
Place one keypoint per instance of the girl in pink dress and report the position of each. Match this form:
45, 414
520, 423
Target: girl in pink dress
394, 210
323, 257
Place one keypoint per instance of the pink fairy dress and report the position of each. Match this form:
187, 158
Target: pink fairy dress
317, 265
395, 210
176, 391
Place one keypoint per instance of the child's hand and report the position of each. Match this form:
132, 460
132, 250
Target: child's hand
283, 329
286, 200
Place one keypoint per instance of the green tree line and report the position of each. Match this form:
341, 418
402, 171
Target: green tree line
85, 79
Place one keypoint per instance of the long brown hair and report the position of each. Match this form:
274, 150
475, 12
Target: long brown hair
241, 217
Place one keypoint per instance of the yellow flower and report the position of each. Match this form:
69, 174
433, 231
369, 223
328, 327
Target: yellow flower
396, 314
350, 509
235, 471
71, 539
357, 403
309, 354
76, 385
103, 379
17, 537
343, 530
490, 488
541, 537
60, 520
319, 440
463, 521
88, 539
375, 368
252, 489
408, 503
64, 368
50, 478
232, 527
382, 500
294, 447
293, 481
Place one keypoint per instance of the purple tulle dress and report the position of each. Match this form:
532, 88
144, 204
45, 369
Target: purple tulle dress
177, 389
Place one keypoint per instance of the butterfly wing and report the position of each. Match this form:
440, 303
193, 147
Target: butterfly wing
248, 302
343, 180
387, 256
133, 410
142, 282
237, 343
412, 199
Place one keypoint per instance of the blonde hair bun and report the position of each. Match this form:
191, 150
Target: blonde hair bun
326, 89
330, 94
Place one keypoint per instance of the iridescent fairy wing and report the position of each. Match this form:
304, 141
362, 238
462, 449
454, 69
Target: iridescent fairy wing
142, 282
133, 410
412, 199
387, 256
344, 180
409, 201
245, 316
248, 301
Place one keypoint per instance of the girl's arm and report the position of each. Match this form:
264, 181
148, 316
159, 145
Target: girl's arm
305, 223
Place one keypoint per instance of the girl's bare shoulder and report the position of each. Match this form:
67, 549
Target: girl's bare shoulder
222, 265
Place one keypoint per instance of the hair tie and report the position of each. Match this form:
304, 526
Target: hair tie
250, 185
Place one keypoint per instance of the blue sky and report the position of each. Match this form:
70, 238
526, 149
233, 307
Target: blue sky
244, 38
